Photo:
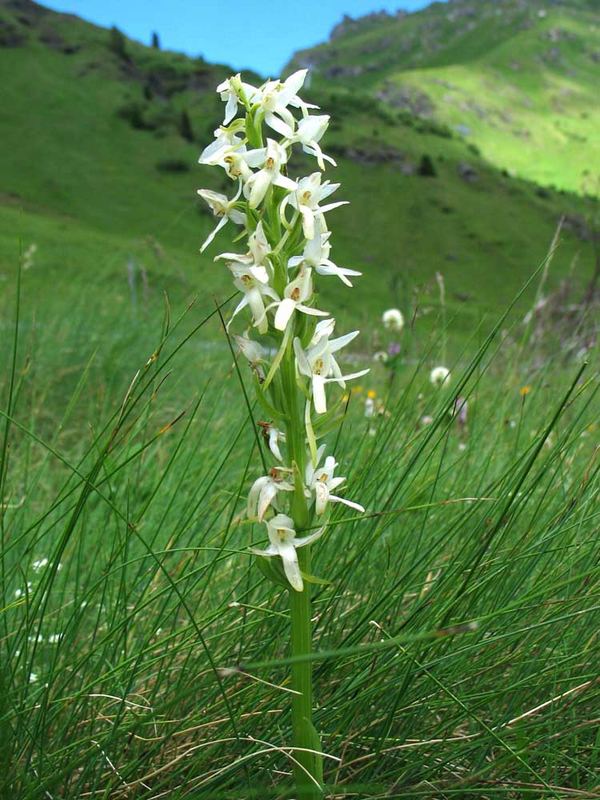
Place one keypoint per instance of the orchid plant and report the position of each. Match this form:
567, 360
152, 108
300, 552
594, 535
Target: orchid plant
288, 344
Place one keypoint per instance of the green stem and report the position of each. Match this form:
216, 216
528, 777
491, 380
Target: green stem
308, 774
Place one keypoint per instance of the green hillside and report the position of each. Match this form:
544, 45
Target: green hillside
98, 169
518, 80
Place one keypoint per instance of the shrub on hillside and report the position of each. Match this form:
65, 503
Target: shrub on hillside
172, 165
134, 113
344, 104
185, 126
422, 125
117, 44
10, 34
426, 167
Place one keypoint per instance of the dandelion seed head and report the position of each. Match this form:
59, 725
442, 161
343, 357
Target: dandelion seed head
439, 376
393, 320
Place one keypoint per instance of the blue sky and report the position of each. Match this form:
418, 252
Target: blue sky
243, 33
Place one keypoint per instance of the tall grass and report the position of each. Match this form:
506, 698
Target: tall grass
456, 622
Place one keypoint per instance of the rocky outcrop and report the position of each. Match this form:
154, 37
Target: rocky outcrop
407, 98
350, 24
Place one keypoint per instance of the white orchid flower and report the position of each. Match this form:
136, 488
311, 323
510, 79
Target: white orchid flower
230, 152
264, 491
284, 543
321, 481
258, 250
309, 132
309, 192
253, 351
274, 97
253, 281
235, 160
225, 136
257, 184
224, 208
318, 362
273, 436
238, 163
296, 293
323, 328
258, 245
232, 91
251, 272
316, 255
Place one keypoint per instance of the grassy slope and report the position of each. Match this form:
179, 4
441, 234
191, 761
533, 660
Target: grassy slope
521, 84
82, 184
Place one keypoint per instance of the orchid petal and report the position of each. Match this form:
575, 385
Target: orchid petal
267, 494
312, 311
291, 566
342, 341
284, 312
222, 222
302, 542
278, 125
320, 400
321, 497
356, 506
268, 552
303, 364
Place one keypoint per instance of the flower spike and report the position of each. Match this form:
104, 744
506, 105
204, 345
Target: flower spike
293, 352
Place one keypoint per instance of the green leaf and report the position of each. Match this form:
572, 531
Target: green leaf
314, 579
272, 569
266, 406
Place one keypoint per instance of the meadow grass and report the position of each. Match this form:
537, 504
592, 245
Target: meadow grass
455, 622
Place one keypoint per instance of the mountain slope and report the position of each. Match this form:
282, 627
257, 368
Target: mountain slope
518, 79
101, 137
